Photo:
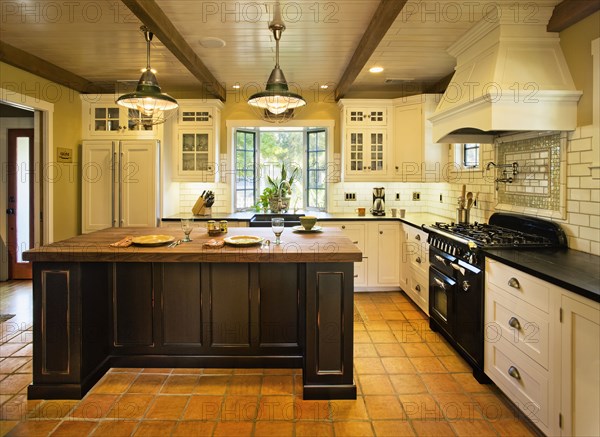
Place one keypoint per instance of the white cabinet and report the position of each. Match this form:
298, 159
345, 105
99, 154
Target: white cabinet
357, 233
580, 366
542, 350
119, 184
103, 118
380, 245
416, 157
194, 144
388, 253
414, 262
365, 139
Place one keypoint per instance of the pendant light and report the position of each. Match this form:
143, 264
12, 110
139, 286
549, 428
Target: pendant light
153, 105
277, 101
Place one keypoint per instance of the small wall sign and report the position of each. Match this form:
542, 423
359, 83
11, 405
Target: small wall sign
64, 154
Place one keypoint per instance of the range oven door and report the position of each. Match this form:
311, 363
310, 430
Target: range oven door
441, 295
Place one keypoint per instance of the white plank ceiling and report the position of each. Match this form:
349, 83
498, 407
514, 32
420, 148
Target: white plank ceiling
100, 40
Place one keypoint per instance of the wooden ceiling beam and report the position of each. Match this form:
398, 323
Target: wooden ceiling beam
153, 17
569, 12
42, 68
382, 20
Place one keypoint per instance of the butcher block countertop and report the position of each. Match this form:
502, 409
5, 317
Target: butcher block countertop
327, 246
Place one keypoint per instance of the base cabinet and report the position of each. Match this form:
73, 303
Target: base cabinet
414, 265
580, 366
542, 350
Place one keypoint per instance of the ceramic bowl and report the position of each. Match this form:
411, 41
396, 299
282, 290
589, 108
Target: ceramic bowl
308, 221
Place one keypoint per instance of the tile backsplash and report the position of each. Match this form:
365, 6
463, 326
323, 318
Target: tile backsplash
537, 170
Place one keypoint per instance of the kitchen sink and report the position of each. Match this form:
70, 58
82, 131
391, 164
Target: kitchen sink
264, 220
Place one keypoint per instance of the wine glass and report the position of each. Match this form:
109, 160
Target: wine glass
277, 226
187, 226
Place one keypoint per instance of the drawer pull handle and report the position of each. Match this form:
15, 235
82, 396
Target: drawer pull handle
514, 283
418, 260
355, 242
440, 283
418, 288
418, 237
514, 323
512, 371
356, 276
440, 259
455, 266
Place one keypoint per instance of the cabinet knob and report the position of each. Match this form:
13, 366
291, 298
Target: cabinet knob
418, 288
343, 226
397, 168
514, 323
418, 260
514, 372
355, 242
356, 276
514, 283
418, 237
380, 232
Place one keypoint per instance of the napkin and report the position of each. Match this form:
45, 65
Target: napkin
125, 242
214, 244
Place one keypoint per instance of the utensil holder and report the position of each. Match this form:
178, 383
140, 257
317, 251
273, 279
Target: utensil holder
462, 215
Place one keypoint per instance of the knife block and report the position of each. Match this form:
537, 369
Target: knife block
200, 207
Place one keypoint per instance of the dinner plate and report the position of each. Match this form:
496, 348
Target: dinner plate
243, 240
300, 228
152, 240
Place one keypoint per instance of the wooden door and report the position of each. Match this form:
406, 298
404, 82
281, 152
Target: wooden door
20, 205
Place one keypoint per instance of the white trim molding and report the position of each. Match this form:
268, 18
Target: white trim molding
13, 98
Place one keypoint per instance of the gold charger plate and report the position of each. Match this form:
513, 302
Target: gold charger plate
152, 240
243, 240
301, 229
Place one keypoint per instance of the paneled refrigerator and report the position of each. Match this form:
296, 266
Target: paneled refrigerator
120, 184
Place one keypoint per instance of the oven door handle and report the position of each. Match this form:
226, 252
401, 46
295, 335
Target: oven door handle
440, 283
457, 267
441, 259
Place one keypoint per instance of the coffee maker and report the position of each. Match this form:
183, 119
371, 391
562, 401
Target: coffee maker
378, 201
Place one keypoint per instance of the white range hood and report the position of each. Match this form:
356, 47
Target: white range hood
511, 76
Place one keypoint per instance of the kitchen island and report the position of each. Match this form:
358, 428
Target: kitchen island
97, 307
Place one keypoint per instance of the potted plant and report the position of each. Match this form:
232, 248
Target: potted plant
281, 190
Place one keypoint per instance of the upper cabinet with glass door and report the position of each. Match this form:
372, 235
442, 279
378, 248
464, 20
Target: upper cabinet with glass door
195, 140
365, 136
103, 118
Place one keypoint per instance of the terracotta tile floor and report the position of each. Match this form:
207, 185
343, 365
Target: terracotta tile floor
410, 383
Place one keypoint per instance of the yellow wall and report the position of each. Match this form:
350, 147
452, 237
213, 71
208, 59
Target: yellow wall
576, 44
67, 134
238, 109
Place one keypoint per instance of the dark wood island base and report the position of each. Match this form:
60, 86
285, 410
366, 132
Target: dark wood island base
96, 308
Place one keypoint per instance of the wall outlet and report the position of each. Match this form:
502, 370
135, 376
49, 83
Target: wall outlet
348, 197
397, 196
441, 198
416, 195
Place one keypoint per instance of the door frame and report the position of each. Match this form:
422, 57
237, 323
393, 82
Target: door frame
43, 136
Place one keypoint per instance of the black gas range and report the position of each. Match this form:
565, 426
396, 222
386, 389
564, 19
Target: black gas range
456, 287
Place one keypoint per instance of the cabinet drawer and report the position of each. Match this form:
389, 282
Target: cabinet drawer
521, 325
528, 388
518, 284
418, 290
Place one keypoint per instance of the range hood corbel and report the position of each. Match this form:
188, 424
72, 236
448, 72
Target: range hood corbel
511, 76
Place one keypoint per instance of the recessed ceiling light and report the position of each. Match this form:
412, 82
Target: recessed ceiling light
210, 42
324, 87
376, 69
236, 87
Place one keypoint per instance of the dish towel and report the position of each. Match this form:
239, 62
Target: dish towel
125, 242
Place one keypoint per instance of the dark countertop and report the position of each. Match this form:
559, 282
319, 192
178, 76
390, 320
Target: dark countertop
415, 219
572, 270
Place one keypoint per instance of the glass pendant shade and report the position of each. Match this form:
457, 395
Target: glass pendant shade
154, 105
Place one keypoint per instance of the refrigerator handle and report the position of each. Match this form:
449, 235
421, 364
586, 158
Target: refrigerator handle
113, 164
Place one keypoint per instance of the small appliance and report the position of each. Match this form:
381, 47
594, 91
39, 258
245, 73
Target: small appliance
378, 201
